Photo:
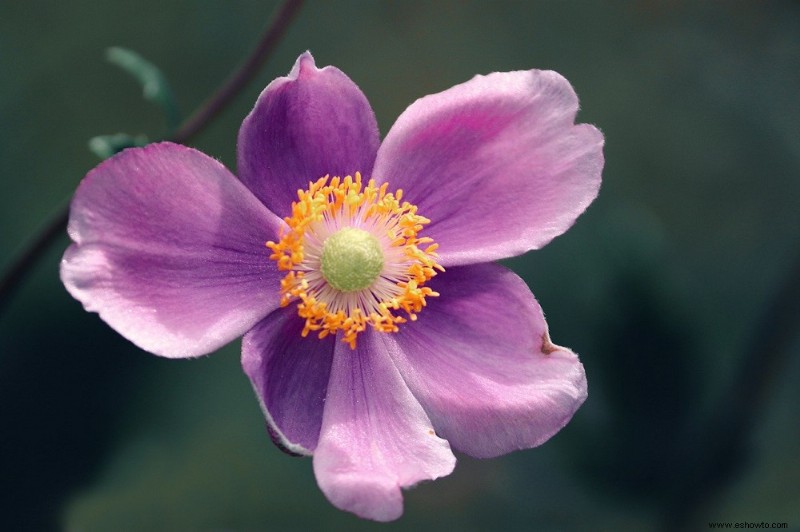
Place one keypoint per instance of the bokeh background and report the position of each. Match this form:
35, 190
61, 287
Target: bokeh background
675, 287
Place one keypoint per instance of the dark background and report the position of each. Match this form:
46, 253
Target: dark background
676, 286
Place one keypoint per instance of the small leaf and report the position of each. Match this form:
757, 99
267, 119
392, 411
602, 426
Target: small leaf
104, 146
154, 84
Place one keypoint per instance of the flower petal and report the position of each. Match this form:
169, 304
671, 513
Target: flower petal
375, 436
496, 163
290, 376
312, 123
480, 360
170, 250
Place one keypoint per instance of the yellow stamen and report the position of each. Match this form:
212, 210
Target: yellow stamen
331, 204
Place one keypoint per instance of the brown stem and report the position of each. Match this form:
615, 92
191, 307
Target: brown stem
24, 264
57, 226
234, 84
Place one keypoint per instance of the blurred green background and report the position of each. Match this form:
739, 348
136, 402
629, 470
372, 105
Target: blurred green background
663, 286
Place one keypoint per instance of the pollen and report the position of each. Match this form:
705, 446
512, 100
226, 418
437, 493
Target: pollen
354, 258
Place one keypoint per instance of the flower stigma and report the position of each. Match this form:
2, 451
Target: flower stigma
351, 259
354, 258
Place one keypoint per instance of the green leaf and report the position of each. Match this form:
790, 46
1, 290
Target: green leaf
104, 146
154, 84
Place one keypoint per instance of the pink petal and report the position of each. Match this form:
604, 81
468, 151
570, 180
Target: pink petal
480, 361
312, 123
375, 437
290, 376
170, 250
496, 163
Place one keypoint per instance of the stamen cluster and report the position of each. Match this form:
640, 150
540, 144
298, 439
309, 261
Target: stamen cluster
331, 204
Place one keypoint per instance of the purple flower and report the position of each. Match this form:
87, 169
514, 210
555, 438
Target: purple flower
377, 330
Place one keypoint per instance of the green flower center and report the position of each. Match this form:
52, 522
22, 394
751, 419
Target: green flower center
351, 259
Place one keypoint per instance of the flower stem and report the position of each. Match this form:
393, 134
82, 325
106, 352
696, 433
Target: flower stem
56, 227
237, 81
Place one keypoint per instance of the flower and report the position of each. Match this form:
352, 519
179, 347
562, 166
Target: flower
378, 331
